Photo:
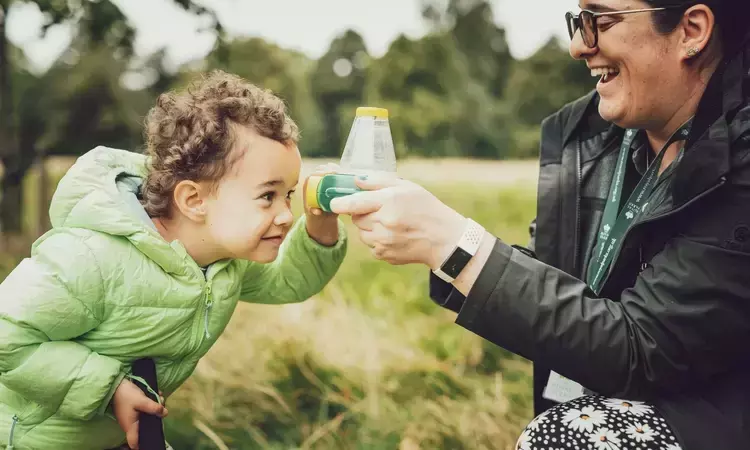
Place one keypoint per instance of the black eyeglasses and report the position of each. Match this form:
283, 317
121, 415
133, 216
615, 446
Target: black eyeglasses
586, 22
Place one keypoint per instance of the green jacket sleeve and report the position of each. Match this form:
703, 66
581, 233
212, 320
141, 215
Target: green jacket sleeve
47, 301
302, 269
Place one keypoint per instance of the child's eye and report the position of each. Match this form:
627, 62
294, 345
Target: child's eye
289, 195
268, 196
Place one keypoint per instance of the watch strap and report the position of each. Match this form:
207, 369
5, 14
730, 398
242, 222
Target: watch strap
467, 247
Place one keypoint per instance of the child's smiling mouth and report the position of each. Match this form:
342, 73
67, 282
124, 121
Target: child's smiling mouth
276, 239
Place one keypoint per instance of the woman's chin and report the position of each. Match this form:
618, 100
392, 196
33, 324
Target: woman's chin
612, 112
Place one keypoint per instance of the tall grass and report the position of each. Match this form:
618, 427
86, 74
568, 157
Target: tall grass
371, 363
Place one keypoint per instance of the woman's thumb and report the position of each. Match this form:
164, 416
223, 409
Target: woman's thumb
378, 181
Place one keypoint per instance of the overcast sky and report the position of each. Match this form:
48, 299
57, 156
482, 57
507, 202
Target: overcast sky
305, 25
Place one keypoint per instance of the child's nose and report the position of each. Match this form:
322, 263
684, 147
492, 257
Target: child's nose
284, 218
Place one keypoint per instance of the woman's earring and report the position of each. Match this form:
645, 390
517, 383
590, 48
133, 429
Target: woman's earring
692, 52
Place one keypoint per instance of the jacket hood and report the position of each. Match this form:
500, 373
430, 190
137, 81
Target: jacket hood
99, 193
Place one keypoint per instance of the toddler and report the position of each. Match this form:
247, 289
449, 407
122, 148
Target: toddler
148, 256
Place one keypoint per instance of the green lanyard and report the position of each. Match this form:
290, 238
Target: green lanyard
616, 222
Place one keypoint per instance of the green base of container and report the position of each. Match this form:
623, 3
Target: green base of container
319, 191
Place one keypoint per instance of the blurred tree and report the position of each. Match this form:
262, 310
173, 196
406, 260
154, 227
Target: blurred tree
338, 83
74, 107
85, 104
286, 73
99, 23
546, 81
445, 89
417, 81
482, 43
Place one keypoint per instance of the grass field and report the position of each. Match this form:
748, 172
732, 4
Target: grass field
371, 363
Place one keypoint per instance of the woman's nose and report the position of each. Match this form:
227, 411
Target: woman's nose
578, 50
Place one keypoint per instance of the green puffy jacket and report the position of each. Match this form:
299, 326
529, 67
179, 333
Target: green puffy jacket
103, 288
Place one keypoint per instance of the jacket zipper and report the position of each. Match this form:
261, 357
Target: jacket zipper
659, 217
12, 430
577, 237
209, 303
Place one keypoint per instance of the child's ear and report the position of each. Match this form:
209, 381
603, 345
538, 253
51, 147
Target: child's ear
188, 198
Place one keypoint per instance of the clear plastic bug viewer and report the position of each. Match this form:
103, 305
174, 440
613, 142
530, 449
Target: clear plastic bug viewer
369, 149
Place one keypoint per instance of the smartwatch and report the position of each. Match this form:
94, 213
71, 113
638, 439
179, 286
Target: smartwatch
465, 249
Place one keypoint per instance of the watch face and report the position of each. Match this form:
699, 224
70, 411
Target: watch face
456, 262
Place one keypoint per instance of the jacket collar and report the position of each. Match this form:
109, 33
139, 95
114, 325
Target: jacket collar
582, 110
708, 155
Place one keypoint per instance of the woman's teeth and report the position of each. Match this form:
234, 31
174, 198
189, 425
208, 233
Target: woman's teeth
606, 73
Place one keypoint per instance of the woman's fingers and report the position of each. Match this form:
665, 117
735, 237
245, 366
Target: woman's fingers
358, 204
368, 238
380, 240
364, 222
379, 181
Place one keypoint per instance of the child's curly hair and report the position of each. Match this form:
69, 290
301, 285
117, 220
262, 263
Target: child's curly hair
189, 134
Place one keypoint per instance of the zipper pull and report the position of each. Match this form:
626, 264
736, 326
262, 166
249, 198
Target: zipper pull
12, 429
209, 304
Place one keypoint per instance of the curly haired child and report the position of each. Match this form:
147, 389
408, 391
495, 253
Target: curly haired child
148, 256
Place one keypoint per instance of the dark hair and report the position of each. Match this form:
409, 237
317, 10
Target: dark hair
732, 17
189, 133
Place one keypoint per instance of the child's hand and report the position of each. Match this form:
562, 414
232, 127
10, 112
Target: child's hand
323, 226
127, 403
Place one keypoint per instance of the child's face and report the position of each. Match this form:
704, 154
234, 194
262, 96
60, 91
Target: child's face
249, 213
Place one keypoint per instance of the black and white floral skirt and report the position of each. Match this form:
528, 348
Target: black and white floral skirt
598, 423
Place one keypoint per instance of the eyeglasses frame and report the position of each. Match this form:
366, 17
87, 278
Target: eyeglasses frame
575, 24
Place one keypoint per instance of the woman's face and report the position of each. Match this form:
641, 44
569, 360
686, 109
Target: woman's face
641, 72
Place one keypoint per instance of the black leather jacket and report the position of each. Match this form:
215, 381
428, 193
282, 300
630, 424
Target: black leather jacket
672, 323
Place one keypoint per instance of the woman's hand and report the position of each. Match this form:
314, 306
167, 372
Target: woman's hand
401, 221
322, 226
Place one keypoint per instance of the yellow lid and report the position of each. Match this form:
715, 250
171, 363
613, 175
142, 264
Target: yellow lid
370, 111
310, 189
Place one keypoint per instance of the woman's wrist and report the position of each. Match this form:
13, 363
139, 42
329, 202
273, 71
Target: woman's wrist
466, 279
446, 235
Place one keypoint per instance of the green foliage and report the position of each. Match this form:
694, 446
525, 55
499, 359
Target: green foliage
455, 92
286, 73
545, 82
97, 112
84, 105
339, 79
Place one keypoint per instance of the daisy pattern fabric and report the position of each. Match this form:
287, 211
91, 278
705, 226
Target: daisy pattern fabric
598, 423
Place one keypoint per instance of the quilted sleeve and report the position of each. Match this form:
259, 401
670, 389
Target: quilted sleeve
302, 269
47, 301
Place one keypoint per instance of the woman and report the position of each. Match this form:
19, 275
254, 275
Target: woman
637, 284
